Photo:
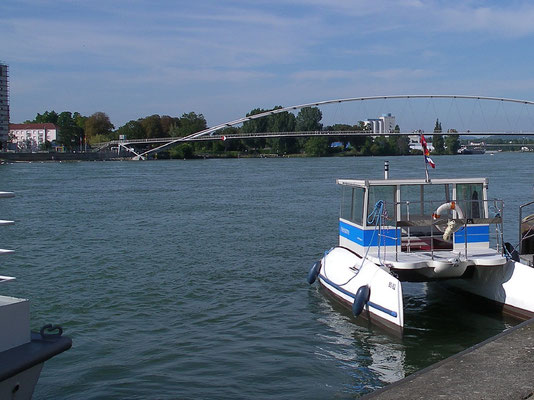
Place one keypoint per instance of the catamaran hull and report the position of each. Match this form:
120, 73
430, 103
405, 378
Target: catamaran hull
509, 285
368, 290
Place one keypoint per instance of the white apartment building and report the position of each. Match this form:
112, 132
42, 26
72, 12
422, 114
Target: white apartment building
4, 106
30, 137
382, 124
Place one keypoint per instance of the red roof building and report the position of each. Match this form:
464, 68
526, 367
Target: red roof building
30, 137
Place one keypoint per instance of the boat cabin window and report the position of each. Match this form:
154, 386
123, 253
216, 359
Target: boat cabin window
352, 204
470, 199
346, 203
385, 193
423, 199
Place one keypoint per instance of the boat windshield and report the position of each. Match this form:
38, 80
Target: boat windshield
423, 200
470, 199
386, 193
352, 202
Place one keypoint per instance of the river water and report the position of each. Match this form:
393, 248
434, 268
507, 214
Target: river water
187, 279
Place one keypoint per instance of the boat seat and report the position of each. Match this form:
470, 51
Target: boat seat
424, 243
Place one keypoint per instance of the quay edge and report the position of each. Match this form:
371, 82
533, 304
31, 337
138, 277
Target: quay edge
501, 367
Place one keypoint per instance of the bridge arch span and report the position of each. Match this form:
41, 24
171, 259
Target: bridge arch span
215, 128
349, 99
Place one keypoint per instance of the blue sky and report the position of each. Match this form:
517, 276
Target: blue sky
135, 58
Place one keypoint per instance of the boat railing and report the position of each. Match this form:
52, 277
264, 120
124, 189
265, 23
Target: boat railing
418, 228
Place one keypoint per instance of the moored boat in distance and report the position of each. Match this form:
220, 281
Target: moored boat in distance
420, 230
22, 352
472, 150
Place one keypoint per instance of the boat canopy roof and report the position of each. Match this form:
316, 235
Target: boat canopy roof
401, 182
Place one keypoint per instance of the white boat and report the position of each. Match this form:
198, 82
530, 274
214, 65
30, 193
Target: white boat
22, 352
419, 230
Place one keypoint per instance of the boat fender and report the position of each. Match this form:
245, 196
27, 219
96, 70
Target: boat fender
511, 251
314, 272
360, 299
447, 235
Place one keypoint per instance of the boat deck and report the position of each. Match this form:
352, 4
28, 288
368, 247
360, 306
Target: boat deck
425, 259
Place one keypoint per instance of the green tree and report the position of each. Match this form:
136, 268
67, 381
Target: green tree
98, 124
316, 146
79, 120
70, 134
437, 127
191, 123
182, 151
231, 144
309, 119
439, 144
382, 146
258, 125
168, 124
339, 127
400, 145
46, 146
359, 143
366, 147
152, 126
282, 122
452, 142
132, 130
47, 116
343, 139
437, 139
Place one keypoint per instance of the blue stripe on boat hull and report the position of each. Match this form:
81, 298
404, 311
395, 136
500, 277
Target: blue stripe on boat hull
369, 237
475, 234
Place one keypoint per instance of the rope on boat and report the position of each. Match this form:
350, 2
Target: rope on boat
374, 218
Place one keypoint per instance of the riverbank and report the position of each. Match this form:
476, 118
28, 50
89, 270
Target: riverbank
501, 367
41, 157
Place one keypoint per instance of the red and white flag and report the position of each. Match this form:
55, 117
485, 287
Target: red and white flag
428, 160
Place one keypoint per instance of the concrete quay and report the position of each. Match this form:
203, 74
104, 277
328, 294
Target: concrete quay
501, 367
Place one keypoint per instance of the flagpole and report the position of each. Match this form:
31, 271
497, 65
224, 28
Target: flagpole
424, 148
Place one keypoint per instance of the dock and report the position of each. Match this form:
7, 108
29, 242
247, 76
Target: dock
501, 367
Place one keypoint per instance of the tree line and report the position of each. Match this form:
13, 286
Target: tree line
75, 130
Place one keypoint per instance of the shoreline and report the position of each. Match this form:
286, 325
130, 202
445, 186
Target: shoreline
498, 368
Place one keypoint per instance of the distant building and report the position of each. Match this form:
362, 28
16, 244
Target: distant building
4, 106
415, 143
30, 137
388, 122
383, 124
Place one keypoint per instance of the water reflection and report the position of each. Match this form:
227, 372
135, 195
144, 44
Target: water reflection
370, 356
438, 324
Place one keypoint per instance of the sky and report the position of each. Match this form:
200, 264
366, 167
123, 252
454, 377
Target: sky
135, 58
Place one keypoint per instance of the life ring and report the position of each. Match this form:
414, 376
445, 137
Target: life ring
448, 206
451, 226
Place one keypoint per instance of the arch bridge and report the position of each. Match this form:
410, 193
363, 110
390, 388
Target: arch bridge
211, 133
